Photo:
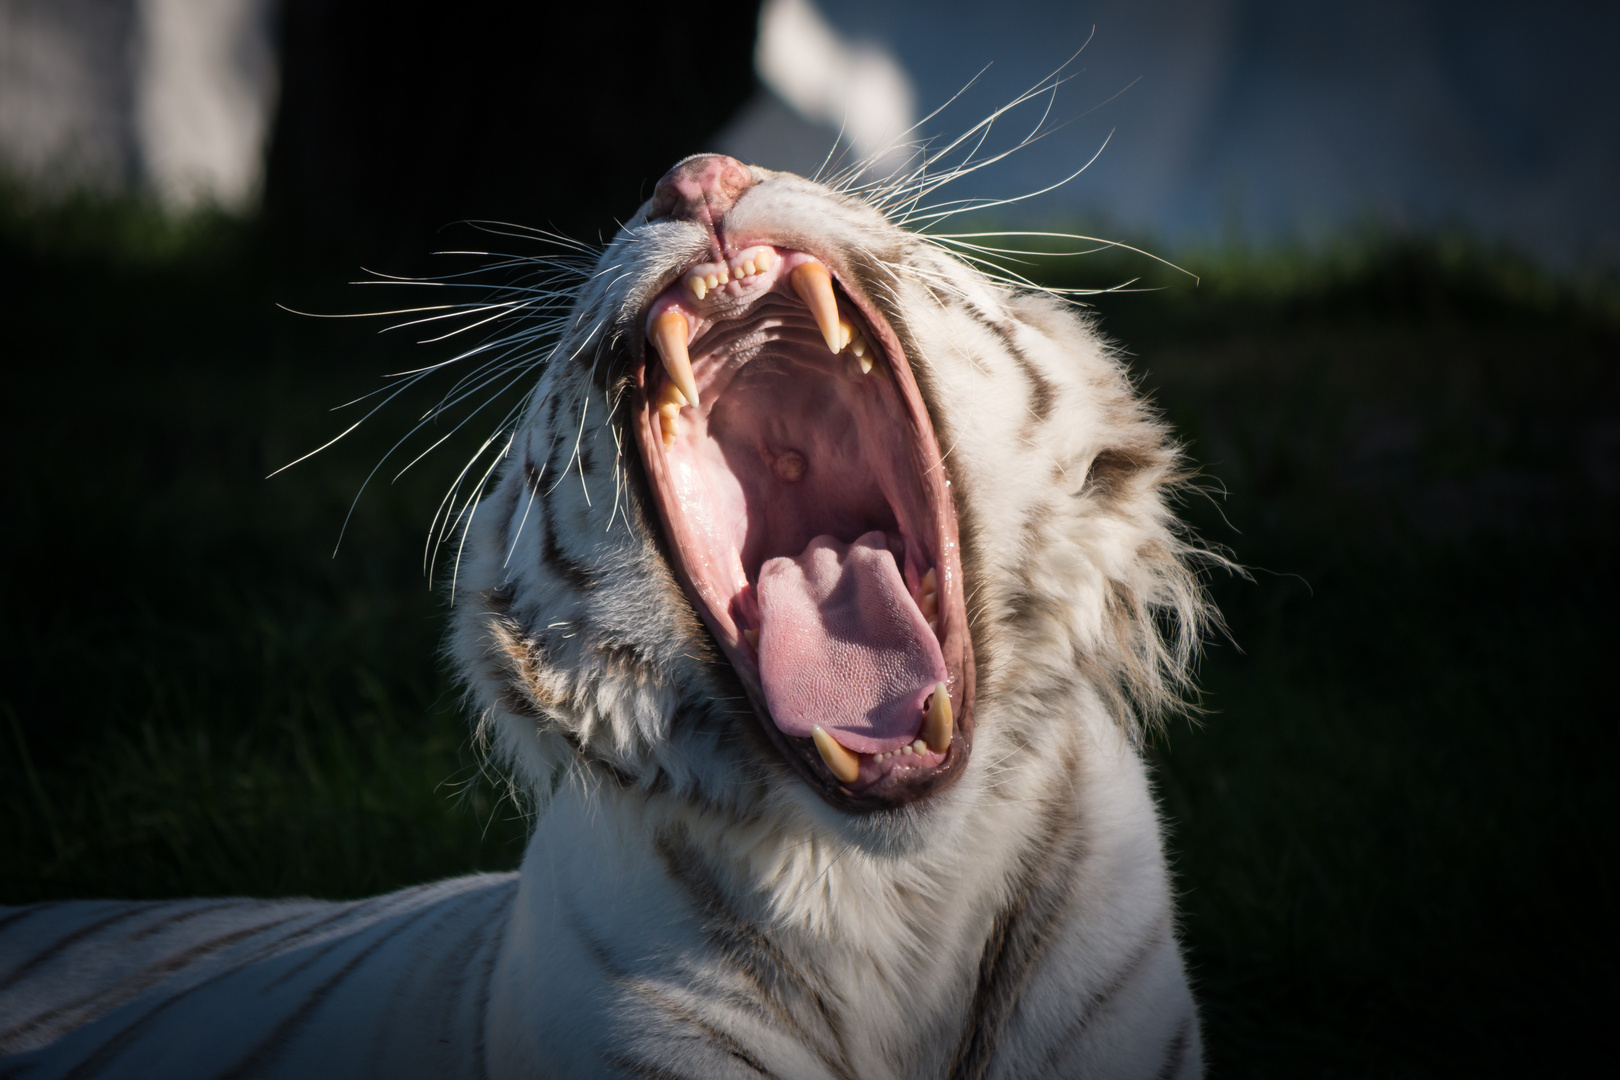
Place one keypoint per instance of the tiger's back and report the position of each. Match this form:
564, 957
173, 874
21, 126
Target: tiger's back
395, 985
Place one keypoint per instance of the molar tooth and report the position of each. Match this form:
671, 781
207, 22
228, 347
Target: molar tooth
937, 723
669, 334
752, 637
843, 763
864, 354
670, 401
814, 285
928, 594
846, 334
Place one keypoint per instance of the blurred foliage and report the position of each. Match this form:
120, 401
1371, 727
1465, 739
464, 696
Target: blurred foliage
1387, 826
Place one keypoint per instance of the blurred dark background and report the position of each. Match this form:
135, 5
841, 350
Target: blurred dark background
1392, 348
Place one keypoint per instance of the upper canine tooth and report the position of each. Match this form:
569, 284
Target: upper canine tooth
843, 763
937, 723
669, 334
814, 285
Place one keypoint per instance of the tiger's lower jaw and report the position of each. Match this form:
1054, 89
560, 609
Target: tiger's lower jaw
808, 512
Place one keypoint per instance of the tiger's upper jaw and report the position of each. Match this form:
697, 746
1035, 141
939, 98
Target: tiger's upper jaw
804, 500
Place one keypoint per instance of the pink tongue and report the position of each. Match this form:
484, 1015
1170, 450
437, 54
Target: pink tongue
842, 644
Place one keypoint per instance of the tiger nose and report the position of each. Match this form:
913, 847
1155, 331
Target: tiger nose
701, 188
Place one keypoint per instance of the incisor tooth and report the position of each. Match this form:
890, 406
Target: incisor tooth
843, 763
699, 288
669, 334
936, 729
814, 285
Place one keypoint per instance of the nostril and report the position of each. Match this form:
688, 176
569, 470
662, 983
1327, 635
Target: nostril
701, 188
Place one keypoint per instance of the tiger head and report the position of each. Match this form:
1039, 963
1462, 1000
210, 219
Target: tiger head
807, 515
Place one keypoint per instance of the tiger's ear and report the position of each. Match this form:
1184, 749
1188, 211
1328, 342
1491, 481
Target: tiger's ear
1157, 612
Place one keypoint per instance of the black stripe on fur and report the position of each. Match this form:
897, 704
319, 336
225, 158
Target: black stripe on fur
788, 993
1019, 937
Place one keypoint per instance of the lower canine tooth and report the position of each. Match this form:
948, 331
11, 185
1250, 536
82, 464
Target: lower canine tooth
843, 763
937, 724
814, 285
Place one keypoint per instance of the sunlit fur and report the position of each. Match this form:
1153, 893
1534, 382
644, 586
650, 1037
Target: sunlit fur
687, 906
598, 684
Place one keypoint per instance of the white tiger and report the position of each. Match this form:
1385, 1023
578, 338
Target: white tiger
816, 603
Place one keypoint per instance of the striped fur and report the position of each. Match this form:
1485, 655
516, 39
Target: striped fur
687, 907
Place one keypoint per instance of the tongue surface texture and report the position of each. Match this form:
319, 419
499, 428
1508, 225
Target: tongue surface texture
842, 645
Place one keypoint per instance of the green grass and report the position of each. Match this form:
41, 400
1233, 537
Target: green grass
1390, 829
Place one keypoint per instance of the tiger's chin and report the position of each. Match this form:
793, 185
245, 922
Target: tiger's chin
807, 511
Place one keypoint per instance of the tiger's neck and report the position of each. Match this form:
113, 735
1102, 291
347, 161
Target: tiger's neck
857, 948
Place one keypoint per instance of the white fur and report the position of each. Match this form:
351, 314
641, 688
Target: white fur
687, 906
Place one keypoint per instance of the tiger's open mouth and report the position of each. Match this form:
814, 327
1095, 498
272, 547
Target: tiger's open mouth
809, 515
